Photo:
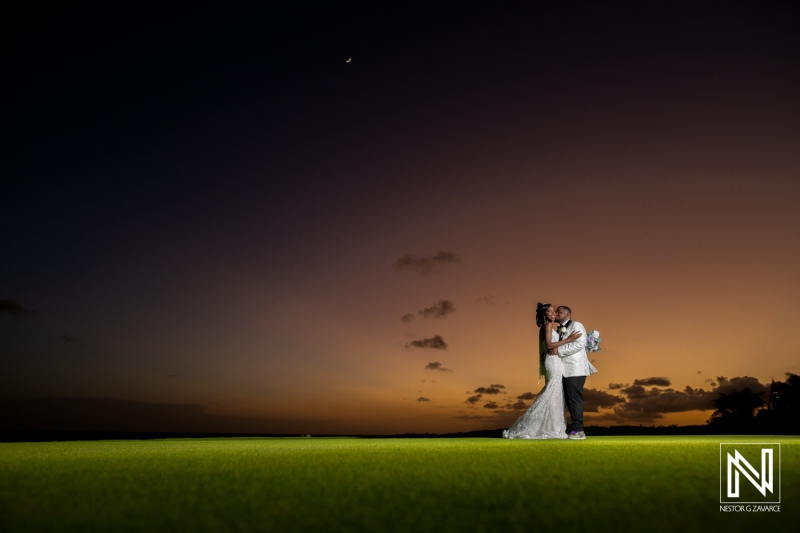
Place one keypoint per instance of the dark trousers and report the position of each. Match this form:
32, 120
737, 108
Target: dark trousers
573, 394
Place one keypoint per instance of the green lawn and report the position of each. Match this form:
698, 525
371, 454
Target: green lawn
347, 484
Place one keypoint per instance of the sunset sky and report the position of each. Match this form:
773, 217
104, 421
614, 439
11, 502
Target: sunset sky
213, 222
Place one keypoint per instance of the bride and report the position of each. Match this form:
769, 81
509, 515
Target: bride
545, 418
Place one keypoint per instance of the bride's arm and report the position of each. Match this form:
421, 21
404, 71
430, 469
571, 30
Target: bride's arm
552, 345
575, 346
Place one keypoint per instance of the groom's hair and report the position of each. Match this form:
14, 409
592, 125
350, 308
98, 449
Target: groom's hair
565, 307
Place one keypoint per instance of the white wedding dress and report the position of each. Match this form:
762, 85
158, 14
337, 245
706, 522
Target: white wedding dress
544, 419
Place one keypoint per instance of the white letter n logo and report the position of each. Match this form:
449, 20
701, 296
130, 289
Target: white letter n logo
740, 464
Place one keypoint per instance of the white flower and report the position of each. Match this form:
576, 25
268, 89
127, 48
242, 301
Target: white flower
595, 333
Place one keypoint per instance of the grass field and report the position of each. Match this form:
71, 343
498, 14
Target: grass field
348, 484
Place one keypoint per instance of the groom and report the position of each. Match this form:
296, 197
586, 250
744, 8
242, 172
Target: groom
576, 368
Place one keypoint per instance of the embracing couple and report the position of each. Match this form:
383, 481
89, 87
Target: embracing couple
563, 362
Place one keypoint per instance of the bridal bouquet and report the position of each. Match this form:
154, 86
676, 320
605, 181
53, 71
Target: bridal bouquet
593, 341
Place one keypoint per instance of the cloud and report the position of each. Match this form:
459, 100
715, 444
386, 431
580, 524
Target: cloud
640, 403
487, 300
647, 405
423, 399
438, 309
436, 365
408, 317
491, 389
428, 264
473, 417
14, 308
634, 391
435, 343
655, 402
595, 399
69, 339
727, 386
502, 414
660, 382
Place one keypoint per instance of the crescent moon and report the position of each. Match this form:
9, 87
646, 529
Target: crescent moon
348, 59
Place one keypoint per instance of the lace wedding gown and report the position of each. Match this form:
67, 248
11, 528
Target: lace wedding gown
545, 418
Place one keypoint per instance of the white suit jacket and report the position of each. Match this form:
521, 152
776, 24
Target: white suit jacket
573, 354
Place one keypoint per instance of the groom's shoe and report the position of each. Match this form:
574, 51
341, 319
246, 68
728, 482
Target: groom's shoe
576, 435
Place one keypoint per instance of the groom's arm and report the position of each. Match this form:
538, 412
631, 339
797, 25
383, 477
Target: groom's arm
575, 346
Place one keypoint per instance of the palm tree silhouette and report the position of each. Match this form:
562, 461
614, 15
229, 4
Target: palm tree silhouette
738, 405
790, 397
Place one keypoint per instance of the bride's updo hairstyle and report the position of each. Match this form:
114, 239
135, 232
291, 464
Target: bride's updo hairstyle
541, 309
